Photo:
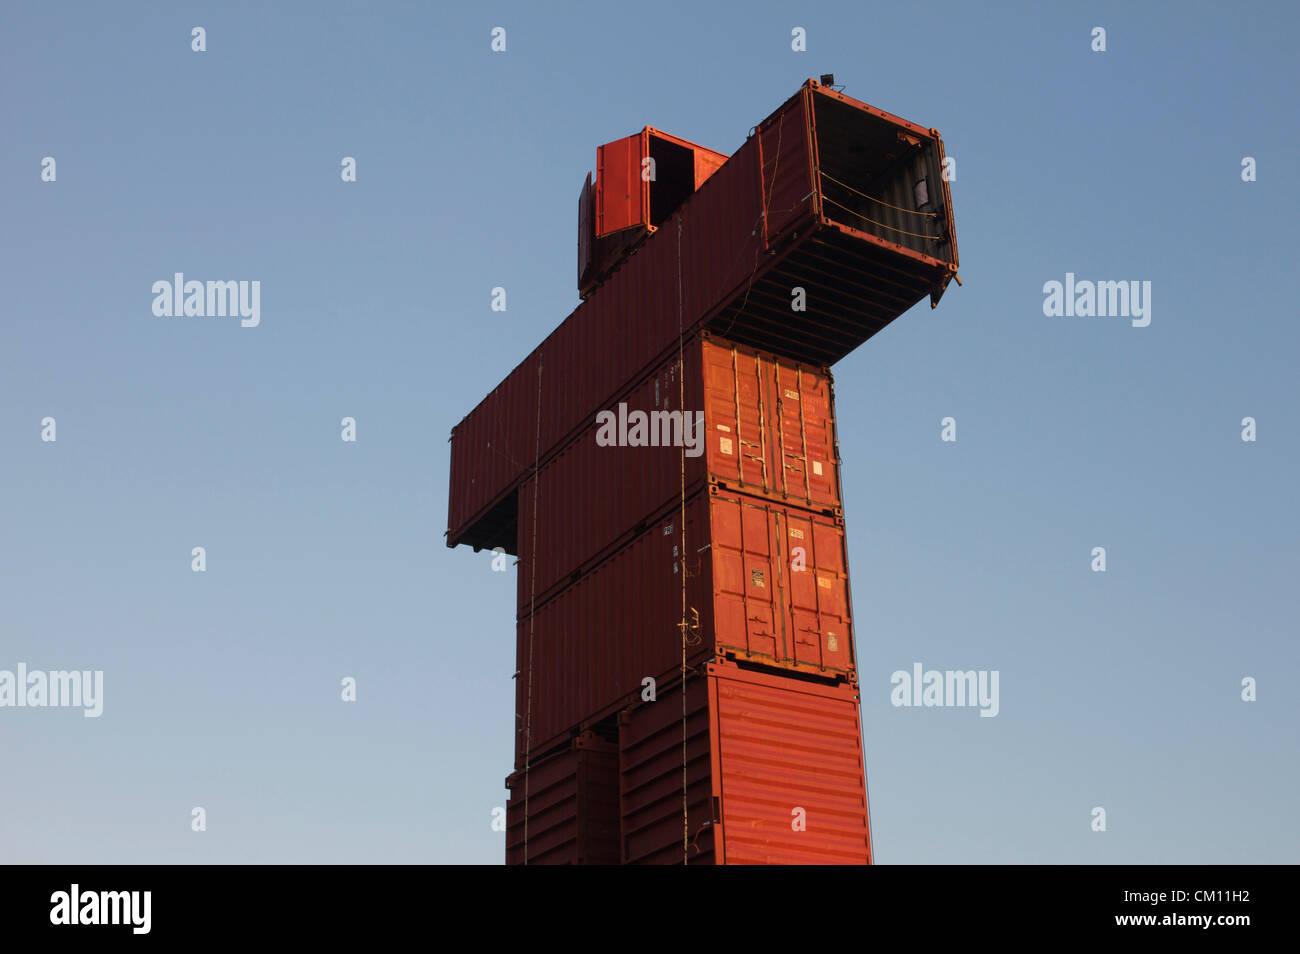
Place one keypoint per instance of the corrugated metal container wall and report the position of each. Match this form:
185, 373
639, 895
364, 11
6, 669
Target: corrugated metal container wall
650, 779
771, 425
780, 585
787, 769
707, 162
769, 430
770, 585
593, 643
594, 499
622, 201
628, 326
784, 141
785, 781
573, 807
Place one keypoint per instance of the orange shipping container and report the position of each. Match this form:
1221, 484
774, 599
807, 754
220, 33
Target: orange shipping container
774, 773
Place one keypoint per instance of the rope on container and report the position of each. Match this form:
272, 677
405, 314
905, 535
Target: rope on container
776, 169
497, 450
532, 615
872, 198
681, 406
762, 189
882, 224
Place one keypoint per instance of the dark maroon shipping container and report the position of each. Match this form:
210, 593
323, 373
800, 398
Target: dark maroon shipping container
656, 828
571, 802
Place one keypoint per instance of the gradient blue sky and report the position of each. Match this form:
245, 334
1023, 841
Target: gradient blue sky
326, 559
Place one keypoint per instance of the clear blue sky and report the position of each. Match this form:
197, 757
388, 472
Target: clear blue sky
326, 559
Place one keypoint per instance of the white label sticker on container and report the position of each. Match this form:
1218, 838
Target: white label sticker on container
724, 427
823, 582
817, 467
724, 444
792, 395
832, 644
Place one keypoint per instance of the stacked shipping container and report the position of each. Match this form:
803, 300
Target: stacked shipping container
686, 686
763, 224
765, 583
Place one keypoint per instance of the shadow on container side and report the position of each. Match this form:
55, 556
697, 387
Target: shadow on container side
572, 807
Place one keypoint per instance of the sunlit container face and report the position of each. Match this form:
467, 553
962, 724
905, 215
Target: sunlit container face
774, 773
771, 425
780, 586
651, 738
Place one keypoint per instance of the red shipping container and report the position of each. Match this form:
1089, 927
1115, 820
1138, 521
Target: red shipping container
774, 773
769, 430
765, 583
641, 180
831, 202
571, 802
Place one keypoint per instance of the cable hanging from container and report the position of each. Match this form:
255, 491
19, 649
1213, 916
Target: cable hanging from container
763, 193
891, 228
532, 612
681, 384
872, 198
